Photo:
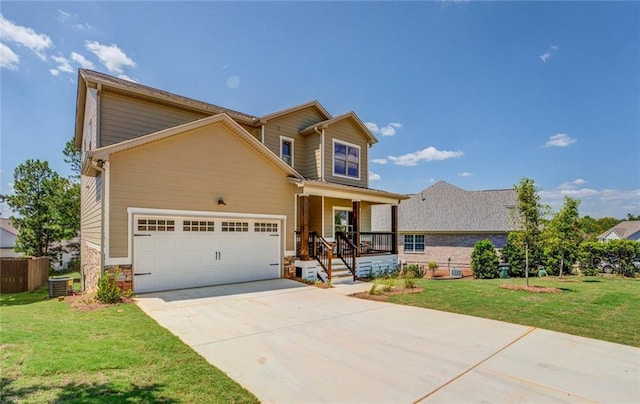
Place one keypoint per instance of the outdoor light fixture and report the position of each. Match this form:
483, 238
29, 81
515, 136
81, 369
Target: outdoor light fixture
422, 198
221, 201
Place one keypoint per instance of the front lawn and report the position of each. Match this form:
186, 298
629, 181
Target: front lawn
50, 352
594, 307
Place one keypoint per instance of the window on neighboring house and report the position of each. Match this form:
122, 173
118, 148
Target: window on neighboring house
414, 243
346, 160
286, 150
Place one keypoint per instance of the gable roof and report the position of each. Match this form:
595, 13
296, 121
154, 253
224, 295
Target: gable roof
5, 224
623, 230
443, 207
350, 116
92, 79
311, 104
103, 153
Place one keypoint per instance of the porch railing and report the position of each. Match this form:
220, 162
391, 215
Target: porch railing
319, 249
347, 252
372, 243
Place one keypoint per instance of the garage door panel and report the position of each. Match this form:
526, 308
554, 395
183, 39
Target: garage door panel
248, 250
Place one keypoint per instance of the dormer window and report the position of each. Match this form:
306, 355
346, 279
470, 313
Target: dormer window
346, 160
286, 150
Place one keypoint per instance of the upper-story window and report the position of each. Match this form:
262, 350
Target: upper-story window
286, 150
346, 159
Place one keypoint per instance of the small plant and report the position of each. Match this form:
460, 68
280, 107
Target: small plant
416, 270
387, 285
433, 266
409, 280
374, 289
108, 291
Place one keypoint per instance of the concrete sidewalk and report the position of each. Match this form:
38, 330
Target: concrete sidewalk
291, 343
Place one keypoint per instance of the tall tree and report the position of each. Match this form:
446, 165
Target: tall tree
72, 157
562, 234
527, 217
47, 206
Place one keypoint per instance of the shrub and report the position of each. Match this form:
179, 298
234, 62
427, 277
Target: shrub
484, 260
374, 289
409, 280
108, 291
416, 270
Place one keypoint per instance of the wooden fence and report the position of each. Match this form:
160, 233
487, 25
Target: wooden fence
23, 274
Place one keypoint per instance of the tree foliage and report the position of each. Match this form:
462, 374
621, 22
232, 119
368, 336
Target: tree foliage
527, 217
514, 253
47, 205
615, 256
484, 260
562, 236
72, 157
592, 228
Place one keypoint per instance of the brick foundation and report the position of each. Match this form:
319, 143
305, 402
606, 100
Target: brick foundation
289, 267
124, 280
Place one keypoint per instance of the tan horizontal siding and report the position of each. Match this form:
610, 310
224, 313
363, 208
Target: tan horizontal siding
90, 218
191, 171
311, 165
347, 132
123, 118
289, 125
365, 217
329, 204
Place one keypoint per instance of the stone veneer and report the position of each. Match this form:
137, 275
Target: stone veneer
124, 280
289, 266
90, 266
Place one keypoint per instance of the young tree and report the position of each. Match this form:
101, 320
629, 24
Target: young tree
562, 234
47, 207
527, 217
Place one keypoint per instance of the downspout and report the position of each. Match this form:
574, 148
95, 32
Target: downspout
99, 166
262, 134
321, 133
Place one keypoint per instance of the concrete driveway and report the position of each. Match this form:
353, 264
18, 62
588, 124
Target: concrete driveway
291, 343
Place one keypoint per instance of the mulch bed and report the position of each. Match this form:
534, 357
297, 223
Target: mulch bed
533, 289
384, 296
88, 302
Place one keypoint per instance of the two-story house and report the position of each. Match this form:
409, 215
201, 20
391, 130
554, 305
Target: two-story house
180, 193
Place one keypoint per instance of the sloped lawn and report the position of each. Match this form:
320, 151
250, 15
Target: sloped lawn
51, 352
594, 307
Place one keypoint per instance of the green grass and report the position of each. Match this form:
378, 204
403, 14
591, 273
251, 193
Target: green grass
50, 352
601, 308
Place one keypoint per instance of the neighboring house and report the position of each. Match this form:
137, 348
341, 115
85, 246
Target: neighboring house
181, 193
626, 230
8, 236
443, 223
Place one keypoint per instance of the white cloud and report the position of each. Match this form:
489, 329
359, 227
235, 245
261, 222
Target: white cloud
111, 56
379, 161
125, 77
428, 154
64, 15
83, 27
387, 130
548, 54
81, 60
465, 174
8, 59
23, 36
560, 140
63, 65
594, 202
374, 177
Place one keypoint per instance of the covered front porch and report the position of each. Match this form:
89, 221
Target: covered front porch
334, 238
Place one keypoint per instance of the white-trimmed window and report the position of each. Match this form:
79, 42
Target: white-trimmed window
346, 159
156, 225
414, 243
286, 150
265, 227
342, 220
198, 225
235, 227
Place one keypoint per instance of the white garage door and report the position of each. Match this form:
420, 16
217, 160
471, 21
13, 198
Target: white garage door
175, 253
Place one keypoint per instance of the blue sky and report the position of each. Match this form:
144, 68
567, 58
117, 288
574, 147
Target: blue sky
475, 94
